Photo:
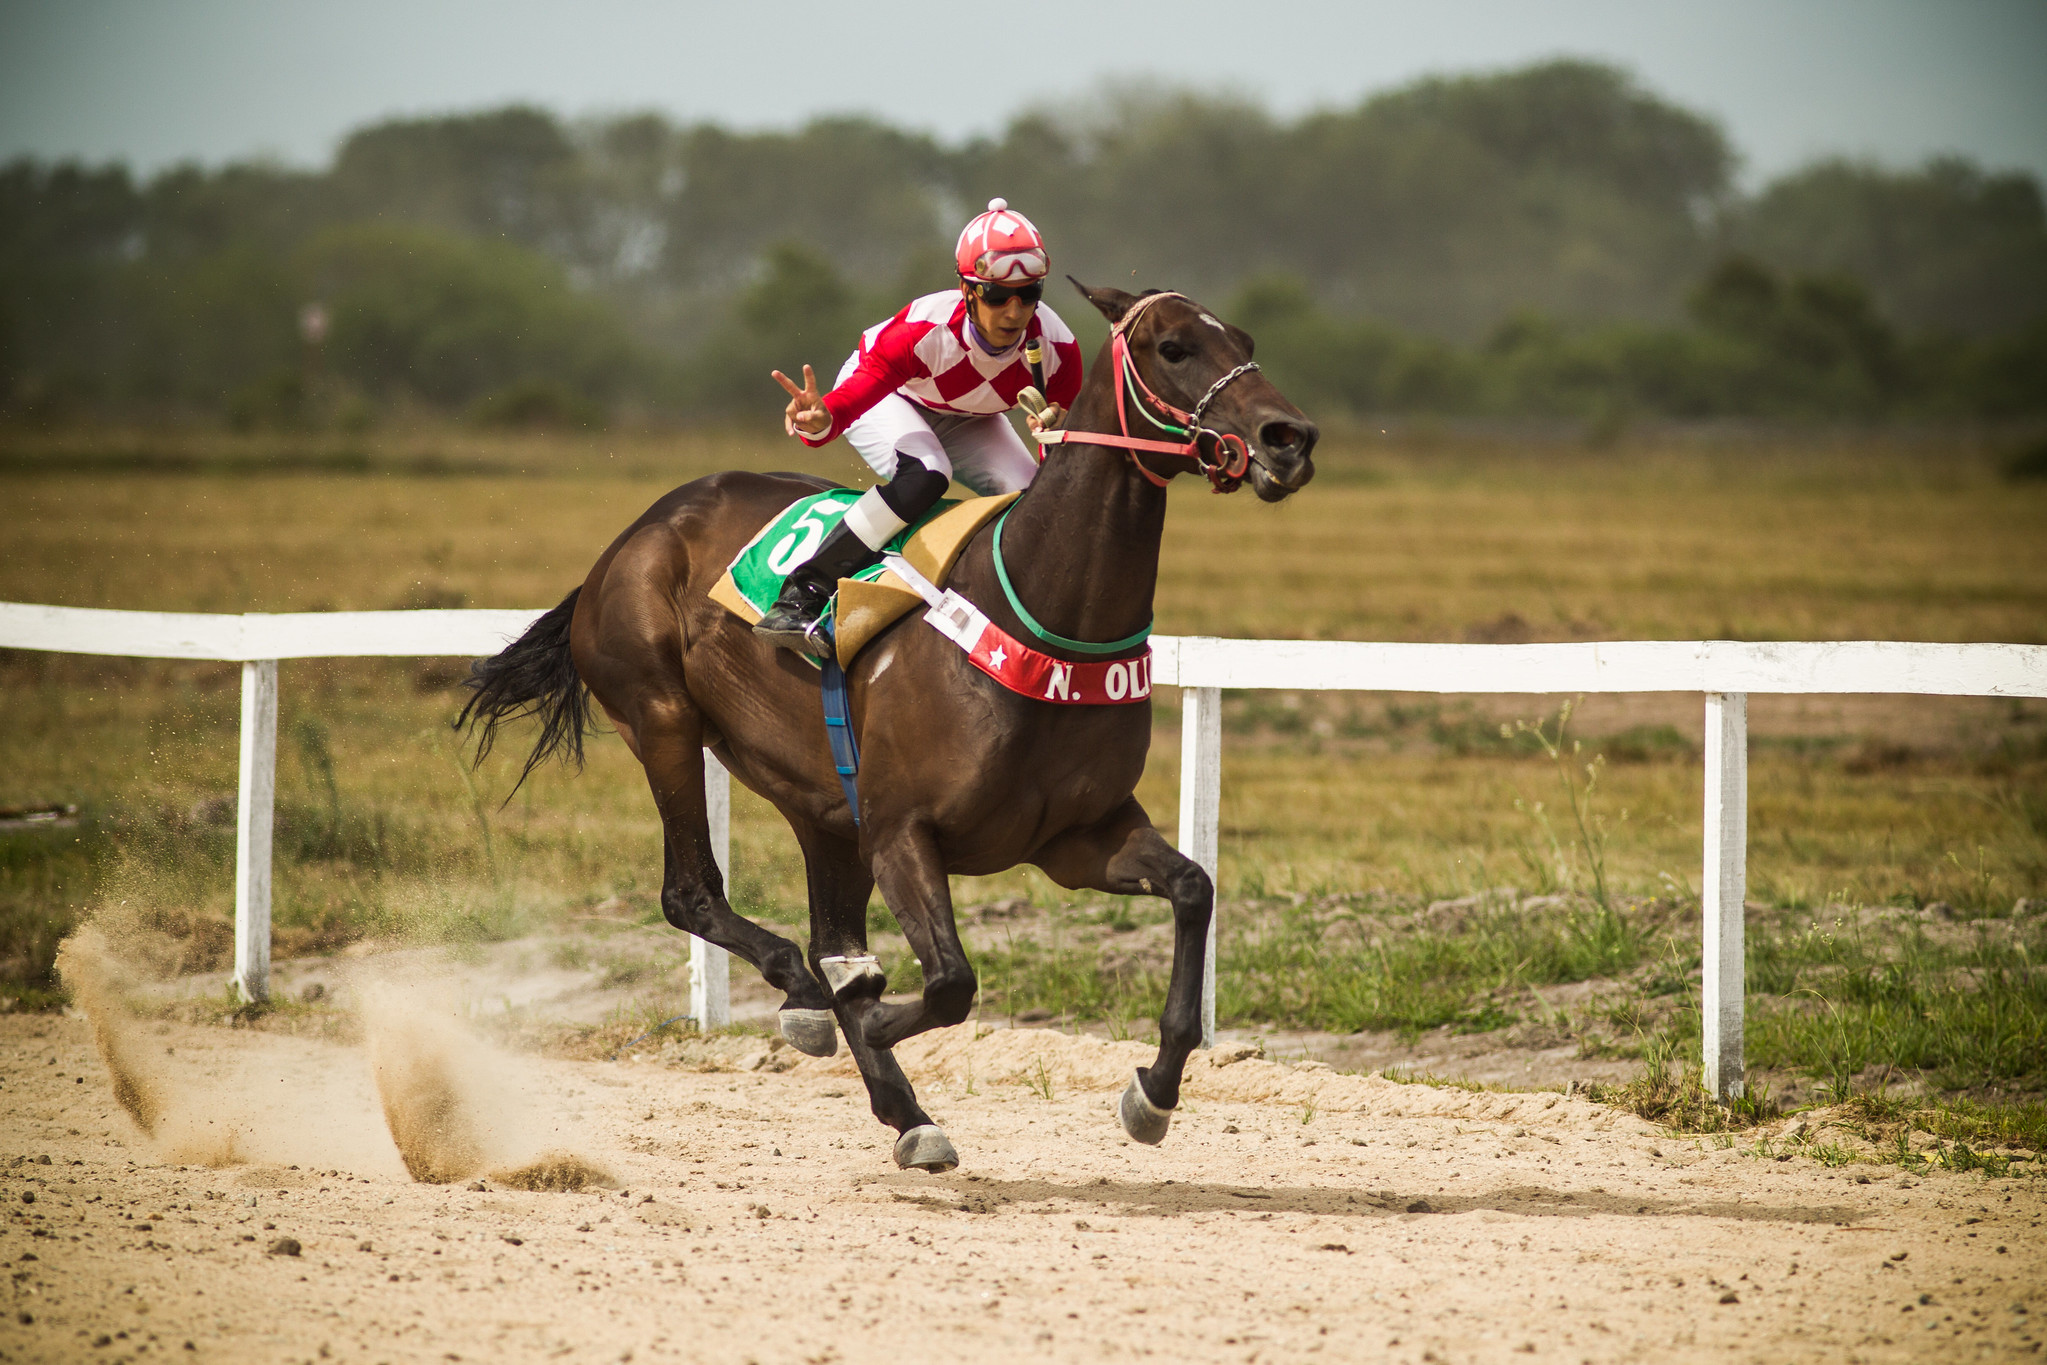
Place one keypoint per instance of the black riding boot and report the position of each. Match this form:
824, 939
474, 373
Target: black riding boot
792, 622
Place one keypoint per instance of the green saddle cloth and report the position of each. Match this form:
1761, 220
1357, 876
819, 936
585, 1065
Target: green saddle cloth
757, 571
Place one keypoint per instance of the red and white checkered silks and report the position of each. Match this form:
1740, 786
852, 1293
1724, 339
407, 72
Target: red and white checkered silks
925, 354
1003, 247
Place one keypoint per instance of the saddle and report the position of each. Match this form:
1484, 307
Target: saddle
878, 598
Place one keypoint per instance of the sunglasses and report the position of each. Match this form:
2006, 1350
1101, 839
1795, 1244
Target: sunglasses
1002, 293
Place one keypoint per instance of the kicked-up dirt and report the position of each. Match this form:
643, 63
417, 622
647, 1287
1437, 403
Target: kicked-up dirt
751, 1212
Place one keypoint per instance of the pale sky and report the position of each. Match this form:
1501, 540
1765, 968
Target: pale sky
153, 82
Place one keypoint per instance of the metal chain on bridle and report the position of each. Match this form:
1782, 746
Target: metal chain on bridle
1224, 457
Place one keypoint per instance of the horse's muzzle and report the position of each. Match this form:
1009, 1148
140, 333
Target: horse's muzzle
1281, 463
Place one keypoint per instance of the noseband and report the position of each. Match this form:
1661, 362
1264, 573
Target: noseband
1223, 456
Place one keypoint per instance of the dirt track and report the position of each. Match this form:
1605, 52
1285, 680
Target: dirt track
1291, 1213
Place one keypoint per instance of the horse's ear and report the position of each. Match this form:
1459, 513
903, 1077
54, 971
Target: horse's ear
1111, 303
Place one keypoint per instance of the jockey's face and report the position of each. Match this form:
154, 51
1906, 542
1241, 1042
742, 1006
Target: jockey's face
1002, 324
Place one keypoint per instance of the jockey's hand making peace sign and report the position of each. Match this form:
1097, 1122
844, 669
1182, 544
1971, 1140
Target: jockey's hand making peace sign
806, 412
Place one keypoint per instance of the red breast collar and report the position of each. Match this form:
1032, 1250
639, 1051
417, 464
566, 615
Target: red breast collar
1030, 673
1025, 671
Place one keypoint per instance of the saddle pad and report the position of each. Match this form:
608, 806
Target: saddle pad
872, 600
755, 575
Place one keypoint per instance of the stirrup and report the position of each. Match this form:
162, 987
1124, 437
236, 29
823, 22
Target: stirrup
793, 633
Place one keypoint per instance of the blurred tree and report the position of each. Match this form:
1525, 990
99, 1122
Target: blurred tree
1316, 359
194, 332
1142, 188
1816, 342
188, 212
1563, 187
509, 173
799, 311
447, 319
856, 193
633, 175
1948, 247
65, 230
1441, 207
536, 405
66, 212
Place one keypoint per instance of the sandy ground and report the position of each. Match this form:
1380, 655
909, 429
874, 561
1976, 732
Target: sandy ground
1292, 1212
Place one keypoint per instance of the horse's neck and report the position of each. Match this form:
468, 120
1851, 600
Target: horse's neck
1082, 545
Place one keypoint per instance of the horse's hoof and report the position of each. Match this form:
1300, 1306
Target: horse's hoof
927, 1148
810, 1032
1141, 1118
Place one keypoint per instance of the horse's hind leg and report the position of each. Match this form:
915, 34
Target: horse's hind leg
692, 888
1125, 855
839, 886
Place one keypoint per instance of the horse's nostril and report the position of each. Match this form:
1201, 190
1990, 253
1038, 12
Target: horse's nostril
1281, 438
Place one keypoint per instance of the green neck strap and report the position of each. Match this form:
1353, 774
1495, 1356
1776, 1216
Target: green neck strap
1030, 622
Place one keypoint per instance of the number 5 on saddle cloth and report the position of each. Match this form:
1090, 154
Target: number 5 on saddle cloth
754, 578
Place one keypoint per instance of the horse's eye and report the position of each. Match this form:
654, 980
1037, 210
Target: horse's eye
1172, 352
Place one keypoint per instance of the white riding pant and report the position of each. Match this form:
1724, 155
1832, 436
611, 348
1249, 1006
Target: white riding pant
981, 451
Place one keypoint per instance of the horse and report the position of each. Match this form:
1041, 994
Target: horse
959, 774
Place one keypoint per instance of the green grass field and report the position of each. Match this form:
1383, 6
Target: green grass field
1343, 814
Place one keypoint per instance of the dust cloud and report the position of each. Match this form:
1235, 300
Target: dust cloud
97, 980
454, 1106
427, 1083
450, 1105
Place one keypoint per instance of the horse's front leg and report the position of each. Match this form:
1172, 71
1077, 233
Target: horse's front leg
1125, 855
910, 870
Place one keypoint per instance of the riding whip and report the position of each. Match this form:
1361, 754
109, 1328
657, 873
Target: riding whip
1033, 397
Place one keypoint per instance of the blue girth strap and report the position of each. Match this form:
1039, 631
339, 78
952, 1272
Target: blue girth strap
838, 728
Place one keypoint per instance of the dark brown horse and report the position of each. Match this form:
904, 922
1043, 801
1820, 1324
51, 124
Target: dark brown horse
958, 774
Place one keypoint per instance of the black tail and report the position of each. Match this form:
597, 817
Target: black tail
533, 675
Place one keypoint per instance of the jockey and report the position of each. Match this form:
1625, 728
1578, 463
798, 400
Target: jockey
924, 400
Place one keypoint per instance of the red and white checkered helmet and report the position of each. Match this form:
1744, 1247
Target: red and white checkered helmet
1003, 247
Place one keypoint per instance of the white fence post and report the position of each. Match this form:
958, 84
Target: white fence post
1201, 791
254, 804
710, 967
1725, 887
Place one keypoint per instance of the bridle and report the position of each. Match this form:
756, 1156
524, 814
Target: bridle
1223, 456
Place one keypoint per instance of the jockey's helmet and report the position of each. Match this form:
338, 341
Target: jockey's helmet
1002, 246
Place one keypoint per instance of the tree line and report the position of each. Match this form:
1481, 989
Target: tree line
1554, 240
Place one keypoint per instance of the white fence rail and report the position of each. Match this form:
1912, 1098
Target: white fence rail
1726, 672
